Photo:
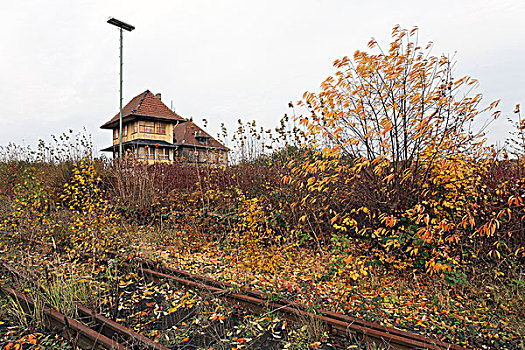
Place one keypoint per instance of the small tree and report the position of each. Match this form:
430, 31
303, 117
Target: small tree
92, 225
398, 154
403, 105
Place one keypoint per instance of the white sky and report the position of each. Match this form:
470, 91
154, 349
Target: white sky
225, 60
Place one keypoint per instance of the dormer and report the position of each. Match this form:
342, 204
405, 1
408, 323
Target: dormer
202, 139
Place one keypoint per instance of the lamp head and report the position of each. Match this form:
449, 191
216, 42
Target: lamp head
120, 24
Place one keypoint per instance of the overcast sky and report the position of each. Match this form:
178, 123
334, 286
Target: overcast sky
225, 60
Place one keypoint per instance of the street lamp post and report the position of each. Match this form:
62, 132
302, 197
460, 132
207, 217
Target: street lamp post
129, 28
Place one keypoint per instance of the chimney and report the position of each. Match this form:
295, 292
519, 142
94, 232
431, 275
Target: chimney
157, 96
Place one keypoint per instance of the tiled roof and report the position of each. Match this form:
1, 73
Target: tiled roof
145, 104
186, 134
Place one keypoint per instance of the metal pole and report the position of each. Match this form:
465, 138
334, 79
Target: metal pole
120, 119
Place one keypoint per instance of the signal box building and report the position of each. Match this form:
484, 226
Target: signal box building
154, 133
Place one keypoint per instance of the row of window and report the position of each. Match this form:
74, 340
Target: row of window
147, 127
151, 127
158, 153
153, 153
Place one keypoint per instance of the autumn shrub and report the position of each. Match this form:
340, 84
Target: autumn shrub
245, 206
28, 214
255, 235
145, 194
92, 224
397, 167
10, 175
500, 212
32, 183
148, 194
51, 163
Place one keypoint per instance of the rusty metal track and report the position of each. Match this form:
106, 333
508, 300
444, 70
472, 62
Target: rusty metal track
339, 325
281, 303
108, 329
71, 329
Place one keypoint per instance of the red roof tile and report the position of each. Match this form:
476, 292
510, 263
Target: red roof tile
185, 134
145, 104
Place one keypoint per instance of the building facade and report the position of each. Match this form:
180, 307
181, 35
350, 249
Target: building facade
154, 133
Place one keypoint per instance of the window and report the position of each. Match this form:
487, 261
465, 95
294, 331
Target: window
147, 127
125, 130
152, 127
203, 140
163, 153
115, 133
135, 127
160, 128
146, 152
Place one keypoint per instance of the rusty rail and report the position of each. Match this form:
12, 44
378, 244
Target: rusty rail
339, 325
71, 329
281, 303
108, 328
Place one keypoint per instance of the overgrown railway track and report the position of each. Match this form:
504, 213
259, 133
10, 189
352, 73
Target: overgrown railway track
90, 331
342, 328
73, 330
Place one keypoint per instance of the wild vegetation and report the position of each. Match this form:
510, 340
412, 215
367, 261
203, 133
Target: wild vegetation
381, 200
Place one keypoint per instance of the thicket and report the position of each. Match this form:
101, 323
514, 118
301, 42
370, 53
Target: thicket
384, 168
